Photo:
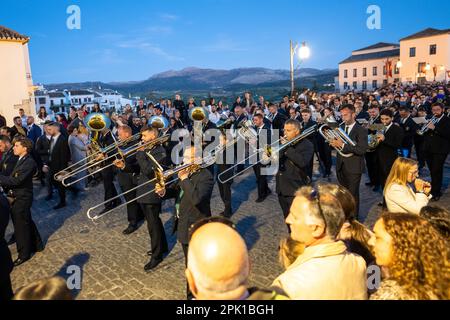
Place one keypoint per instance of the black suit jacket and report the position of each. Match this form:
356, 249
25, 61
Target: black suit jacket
438, 140
21, 179
355, 163
42, 149
6, 263
278, 122
195, 203
387, 150
147, 173
294, 165
8, 163
409, 129
60, 155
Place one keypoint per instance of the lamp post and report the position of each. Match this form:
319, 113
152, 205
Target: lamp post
303, 53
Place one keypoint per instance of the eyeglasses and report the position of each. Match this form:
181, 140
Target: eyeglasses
216, 219
315, 196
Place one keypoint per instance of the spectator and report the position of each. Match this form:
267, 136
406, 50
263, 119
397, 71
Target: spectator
23, 117
18, 129
414, 257
325, 270
2, 121
399, 196
439, 218
34, 132
43, 117
54, 288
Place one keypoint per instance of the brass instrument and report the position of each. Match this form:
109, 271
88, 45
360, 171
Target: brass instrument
426, 126
373, 140
158, 122
330, 134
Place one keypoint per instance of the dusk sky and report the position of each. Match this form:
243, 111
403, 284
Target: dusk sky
134, 39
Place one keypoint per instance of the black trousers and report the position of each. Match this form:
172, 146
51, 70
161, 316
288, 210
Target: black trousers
418, 144
155, 228
6, 292
108, 184
372, 168
27, 235
261, 182
285, 204
134, 210
225, 195
325, 156
189, 294
350, 181
58, 185
436, 162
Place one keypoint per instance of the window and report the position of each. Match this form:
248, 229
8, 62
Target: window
52, 103
355, 73
355, 85
375, 71
412, 52
384, 70
374, 84
421, 67
345, 73
396, 80
364, 85
364, 72
385, 82
61, 102
396, 69
433, 49
42, 101
345, 85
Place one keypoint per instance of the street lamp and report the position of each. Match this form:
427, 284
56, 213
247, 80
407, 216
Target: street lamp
303, 53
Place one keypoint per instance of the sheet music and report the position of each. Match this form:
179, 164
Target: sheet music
420, 120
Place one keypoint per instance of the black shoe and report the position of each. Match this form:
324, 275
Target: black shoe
12, 240
59, 206
48, 197
130, 229
40, 247
152, 264
20, 261
259, 200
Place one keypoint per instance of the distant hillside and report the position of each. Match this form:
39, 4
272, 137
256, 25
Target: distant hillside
204, 81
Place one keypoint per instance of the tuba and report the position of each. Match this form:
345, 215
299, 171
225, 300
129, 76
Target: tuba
331, 133
158, 122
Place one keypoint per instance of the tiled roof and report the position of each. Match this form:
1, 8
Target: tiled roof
372, 56
56, 95
378, 46
426, 33
80, 92
8, 34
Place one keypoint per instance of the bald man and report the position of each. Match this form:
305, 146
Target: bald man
219, 266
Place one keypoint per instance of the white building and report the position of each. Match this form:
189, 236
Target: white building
370, 68
110, 99
16, 83
425, 56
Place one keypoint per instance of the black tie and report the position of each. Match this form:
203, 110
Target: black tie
346, 130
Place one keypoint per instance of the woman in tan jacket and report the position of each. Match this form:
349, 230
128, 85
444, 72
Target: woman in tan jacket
399, 195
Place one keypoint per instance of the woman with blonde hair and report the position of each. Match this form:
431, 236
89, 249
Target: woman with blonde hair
398, 193
413, 257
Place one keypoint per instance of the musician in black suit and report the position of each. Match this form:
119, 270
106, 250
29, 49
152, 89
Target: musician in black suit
294, 162
8, 160
278, 119
409, 129
261, 179
6, 262
20, 186
42, 148
350, 169
59, 156
390, 141
151, 203
128, 170
437, 147
107, 139
308, 122
225, 188
371, 157
240, 119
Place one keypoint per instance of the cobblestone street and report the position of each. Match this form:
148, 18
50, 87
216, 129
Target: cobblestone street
112, 263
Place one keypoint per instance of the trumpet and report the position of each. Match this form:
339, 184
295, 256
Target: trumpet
120, 155
426, 126
269, 153
161, 179
331, 134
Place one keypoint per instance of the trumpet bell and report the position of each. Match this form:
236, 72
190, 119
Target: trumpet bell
158, 122
198, 114
97, 122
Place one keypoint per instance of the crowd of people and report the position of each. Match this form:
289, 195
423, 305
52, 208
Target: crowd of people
328, 251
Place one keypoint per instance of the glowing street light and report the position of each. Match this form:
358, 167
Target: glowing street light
302, 53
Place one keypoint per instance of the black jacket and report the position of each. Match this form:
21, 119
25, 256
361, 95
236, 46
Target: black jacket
147, 173
195, 203
21, 179
409, 129
355, 163
438, 140
294, 165
6, 263
8, 162
387, 150
278, 122
42, 148
60, 155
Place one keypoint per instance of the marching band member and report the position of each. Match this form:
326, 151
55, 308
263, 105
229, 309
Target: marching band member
261, 180
371, 157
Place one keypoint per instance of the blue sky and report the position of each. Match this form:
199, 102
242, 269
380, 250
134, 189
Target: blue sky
134, 39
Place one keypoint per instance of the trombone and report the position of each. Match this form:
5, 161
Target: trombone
119, 155
269, 151
330, 134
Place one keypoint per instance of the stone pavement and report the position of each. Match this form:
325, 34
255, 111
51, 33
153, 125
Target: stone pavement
112, 264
